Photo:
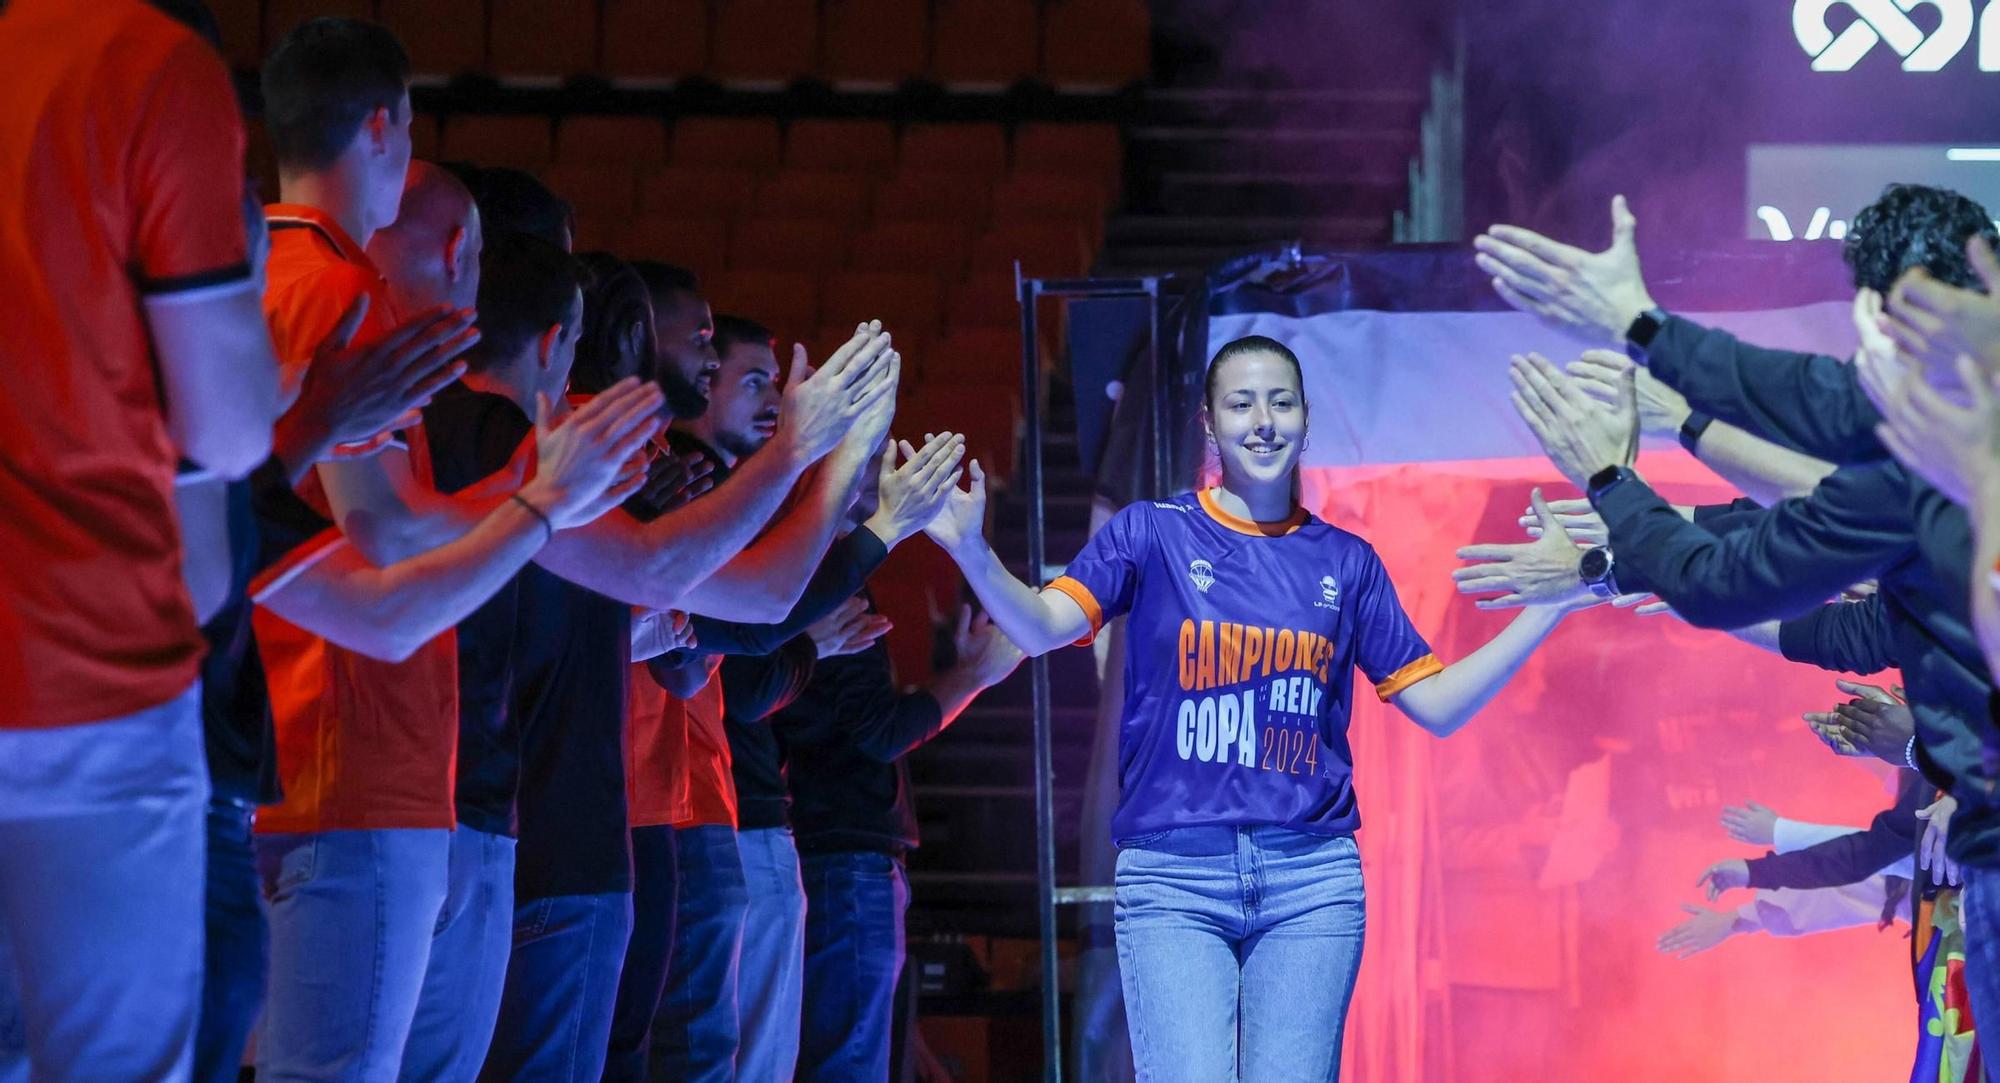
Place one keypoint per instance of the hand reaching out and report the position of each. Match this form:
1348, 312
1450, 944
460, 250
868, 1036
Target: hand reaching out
1724, 875
1540, 572
1704, 930
1934, 322
983, 649
359, 391
673, 479
1596, 295
1931, 849
1602, 375
588, 461
913, 493
1581, 436
962, 521
1750, 822
1578, 519
821, 406
849, 629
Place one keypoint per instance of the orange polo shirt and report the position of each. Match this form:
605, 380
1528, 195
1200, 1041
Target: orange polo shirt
656, 753
711, 783
362, 744
121, 183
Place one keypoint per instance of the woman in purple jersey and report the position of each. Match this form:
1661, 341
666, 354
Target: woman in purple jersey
1239, 896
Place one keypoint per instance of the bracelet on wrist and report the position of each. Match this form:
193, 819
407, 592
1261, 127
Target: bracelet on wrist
548, 528
1910, 752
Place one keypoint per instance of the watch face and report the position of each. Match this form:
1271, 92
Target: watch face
1596, 563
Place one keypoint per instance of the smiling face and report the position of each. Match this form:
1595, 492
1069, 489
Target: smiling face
1257, 418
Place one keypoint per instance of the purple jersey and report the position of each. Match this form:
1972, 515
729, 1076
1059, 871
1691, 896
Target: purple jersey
1240, 659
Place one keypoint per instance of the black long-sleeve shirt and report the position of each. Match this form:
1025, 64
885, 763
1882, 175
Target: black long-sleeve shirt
1857, 855
1845, 637
844, 740
1870, 520
753, 688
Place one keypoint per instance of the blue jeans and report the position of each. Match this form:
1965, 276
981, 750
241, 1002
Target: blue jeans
695, 1034
655, 894
854, 951
102, 858
237, 953
770, 978
562, 980
1238, 949
468, 964
351, 919
1979, 909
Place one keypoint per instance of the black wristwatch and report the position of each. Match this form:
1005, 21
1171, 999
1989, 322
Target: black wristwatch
1645, 327
1597, 572
1691, 429
1603, 481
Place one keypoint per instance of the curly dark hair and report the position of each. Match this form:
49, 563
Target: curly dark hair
1915, 225
617, 324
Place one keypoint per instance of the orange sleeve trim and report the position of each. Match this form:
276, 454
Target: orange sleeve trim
1085, 600
1422, 669
316, 549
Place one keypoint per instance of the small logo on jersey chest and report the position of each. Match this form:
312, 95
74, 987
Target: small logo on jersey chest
1329, 592
1203, 575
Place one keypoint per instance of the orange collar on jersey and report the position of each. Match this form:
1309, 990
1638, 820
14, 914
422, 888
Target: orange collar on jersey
1251, 527
301, 216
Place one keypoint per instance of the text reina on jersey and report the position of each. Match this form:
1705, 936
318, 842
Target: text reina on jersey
1223, 727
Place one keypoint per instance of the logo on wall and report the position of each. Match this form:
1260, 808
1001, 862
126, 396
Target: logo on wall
1203, 575
1879, 22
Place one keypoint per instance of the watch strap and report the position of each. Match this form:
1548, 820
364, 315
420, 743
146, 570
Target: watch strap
1692, 429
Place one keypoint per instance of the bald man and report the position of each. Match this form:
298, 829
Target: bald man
430, 254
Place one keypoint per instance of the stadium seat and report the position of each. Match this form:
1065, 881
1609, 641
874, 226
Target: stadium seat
593, 188
1095, 43
785, 301
789, 245
687, 192
936, 247
728, 143
765, 41
979, 356
1093, 150
1046, 249
1040, 197
903, 301
873, 41
281, 16
242, 26
443, 37
825, 197
525, 142
424, 132
968, 149
983, 300
654, 40
858, 146
932, 197
539, 39
260, 162
983, 42
624, 140
699, 244
918, 584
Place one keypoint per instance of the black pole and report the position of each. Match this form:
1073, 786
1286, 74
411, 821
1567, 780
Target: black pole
1026, 292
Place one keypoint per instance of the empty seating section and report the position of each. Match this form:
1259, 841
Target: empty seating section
1082, 45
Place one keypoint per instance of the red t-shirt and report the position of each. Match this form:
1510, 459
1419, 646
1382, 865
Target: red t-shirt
656, 753
121, 181
362, 744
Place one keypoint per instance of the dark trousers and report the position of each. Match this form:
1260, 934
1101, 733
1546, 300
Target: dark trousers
655, 887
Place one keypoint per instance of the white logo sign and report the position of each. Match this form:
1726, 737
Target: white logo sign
1329, 591
1203, 574
1877, 22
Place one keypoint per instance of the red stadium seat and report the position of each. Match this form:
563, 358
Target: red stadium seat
282, 16
933, 197
785, 301
937, 247
541, 38
637, 141
1045, 249
917, 585
984, 42
983, 300
728, 143
903, 301
789, 245
654, 40
425, 130
981, 356
824, 197
242, 26
858, 146
1096, 43
699, 244
685, 192
525, 142
443, 37
970, 149
259, 161
765, 41
592, 188
873, 41
1093, 150
1041, 197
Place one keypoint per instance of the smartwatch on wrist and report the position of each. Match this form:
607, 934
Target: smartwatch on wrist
1596, 570
1645, 327
1603, 481
1691, 429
